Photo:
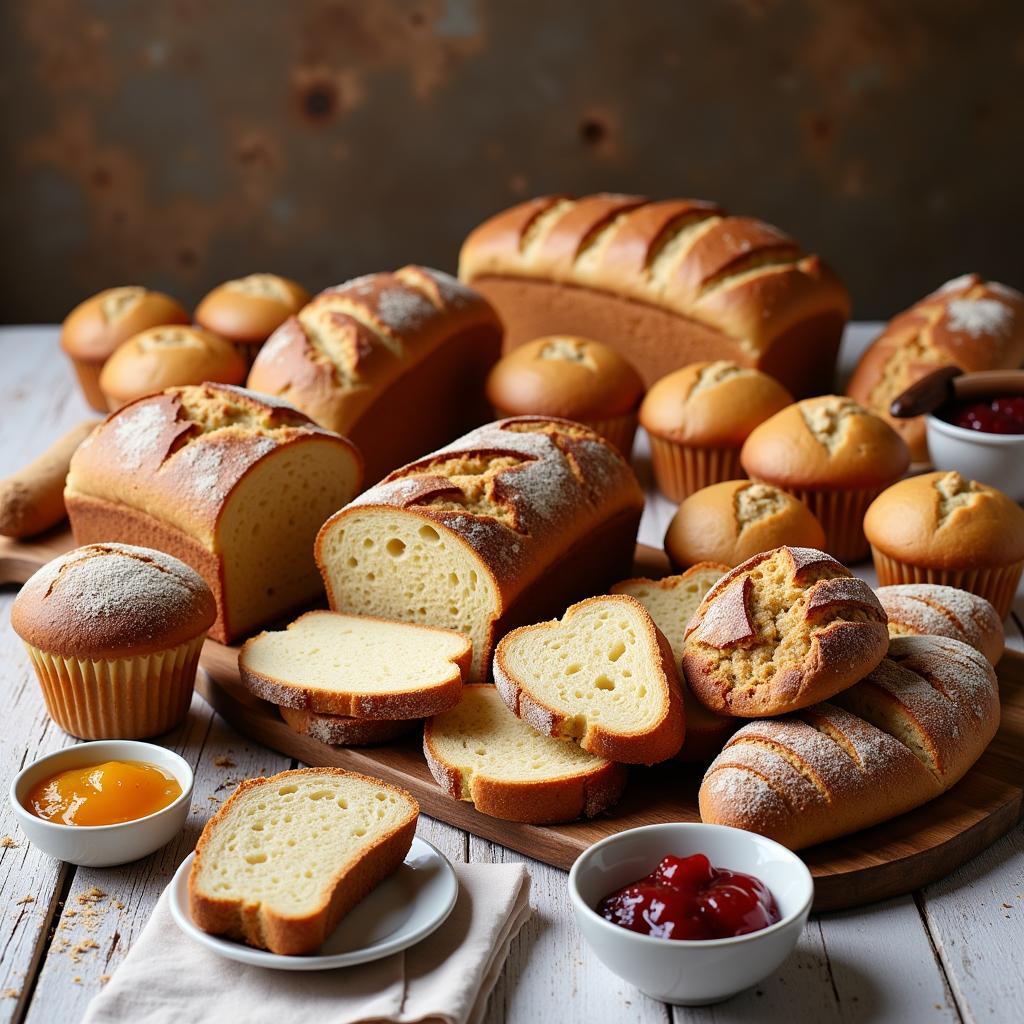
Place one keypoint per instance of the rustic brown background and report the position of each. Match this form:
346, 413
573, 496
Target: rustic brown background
179, 142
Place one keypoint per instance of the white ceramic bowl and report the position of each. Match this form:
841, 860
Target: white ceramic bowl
993, 459
100, 846
679, 971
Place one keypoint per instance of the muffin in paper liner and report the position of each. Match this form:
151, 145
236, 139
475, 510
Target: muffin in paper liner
997, 585
119, 698
681, 469
841, 514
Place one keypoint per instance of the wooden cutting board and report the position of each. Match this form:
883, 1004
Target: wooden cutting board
887, 860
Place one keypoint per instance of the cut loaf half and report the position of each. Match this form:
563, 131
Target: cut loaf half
603, 675
480, 752
357, 666
283, 861
671, 602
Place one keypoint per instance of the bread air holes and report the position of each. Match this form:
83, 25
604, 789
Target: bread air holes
285, 790
571, 670
602, 682
255, 858
617, 651
395, 547
319, 794
429, 534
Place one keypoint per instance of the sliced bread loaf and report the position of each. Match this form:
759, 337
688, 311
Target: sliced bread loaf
358, 666
603, 675
671, 602
344, 730
283, 861
480, 752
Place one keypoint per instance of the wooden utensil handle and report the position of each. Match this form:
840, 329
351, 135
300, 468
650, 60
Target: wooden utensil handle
926, 394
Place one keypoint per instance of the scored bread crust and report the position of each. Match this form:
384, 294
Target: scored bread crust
440, 695
845, 624
345, 731
836, 768
667, 283
533, 801
659, 743
262, 926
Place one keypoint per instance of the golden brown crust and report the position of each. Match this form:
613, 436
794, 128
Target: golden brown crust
345, 731
735, 287
266, 929
968, 322
941, 521
248, 310
735, 520
107, 601
163, 357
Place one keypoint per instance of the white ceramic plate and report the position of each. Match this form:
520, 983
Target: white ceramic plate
401, 911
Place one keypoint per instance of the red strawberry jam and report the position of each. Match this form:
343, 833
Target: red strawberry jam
992, 416
687, 898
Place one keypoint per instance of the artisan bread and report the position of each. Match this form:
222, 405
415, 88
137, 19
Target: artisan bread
602, 675
395, 362
509, 524
902, 736
344, 730
357, 666
666, 283
785, 629
671, 602
287, 857
968, 322
923, 609
232, 483
480, 752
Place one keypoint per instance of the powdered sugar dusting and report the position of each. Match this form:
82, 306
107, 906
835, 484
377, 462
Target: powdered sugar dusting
979, 316
137, 432
956, 284
204, 463
928, 608
1005, 290
403, 309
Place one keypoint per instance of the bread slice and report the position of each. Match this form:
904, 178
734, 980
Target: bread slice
603, 675
671, 602
357, 666
480, 752
283, 861
345, 731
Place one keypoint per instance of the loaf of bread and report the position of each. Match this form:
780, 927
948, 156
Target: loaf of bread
930, 609
357, 666
395, 362
603, 675
507, 525
232, 483
344, 730
969, 322
480, 752
666, 283
287, 857
900, 737
784, 629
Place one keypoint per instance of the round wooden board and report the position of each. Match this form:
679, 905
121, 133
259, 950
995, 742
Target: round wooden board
888, 860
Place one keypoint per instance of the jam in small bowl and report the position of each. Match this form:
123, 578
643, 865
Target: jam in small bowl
690, 913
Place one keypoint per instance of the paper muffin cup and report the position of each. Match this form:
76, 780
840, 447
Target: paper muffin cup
841, 514
118, 698
88, 374
997, 586
681, 469
619, 430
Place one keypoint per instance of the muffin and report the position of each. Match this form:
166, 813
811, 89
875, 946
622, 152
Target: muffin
114, 634
248, 310
732, 521
575, 378
698, 418
941, 528
164, 357
833, 455
95, 328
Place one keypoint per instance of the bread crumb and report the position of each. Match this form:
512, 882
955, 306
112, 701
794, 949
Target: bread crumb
224, 761
7, 843
92, 895
10, 993
104, 978
117, 904
77, 979
81, 948
24, 900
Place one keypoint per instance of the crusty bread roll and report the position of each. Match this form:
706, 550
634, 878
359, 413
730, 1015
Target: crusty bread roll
232, 483
902, 736
509, 524
968, 322
395, 362
666, 283
929, 609
785, 629
735, 520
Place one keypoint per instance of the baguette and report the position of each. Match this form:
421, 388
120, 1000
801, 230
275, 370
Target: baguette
287, 857
666, 283
906, 733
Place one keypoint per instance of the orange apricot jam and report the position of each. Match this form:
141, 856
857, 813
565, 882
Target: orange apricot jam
103, 794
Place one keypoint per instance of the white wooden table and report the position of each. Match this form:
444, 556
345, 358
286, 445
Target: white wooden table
949, 952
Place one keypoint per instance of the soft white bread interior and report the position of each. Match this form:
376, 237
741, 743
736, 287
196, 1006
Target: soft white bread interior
357, 666
671, 602
479, 751
602, 675
288, 856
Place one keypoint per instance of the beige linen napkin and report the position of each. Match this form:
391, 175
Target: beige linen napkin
168, 978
